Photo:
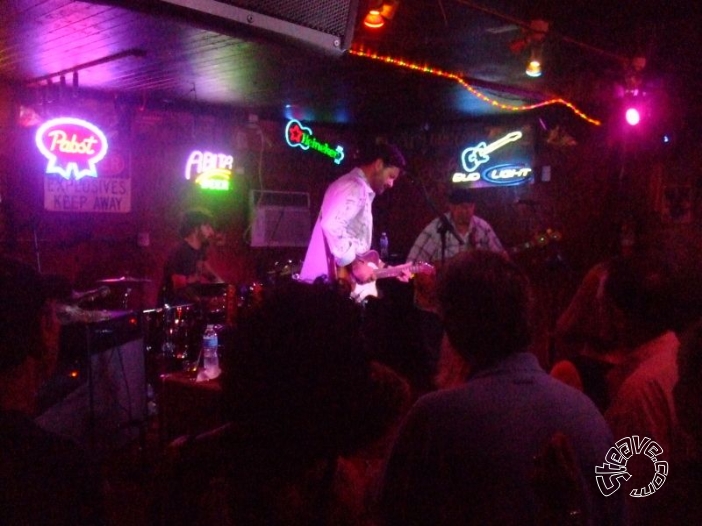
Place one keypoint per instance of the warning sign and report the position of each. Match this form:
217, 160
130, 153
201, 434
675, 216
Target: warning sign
106, 195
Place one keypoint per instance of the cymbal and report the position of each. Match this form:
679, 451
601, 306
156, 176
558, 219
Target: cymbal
124, 279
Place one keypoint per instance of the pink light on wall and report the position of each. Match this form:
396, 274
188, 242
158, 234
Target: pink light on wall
632, 116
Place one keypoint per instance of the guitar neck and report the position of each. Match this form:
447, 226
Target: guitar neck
391, 272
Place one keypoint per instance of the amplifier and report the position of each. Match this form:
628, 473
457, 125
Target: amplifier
97, 396
113, 328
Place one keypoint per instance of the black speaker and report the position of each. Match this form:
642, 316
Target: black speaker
98, 395
328, 24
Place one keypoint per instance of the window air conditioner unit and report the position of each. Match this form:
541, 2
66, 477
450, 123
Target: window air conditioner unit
279, 219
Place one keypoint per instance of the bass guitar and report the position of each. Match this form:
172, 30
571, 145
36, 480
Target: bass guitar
425, 286
361, 291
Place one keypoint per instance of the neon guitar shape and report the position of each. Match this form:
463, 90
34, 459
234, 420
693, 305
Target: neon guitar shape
297, 135
360, 291
477, 155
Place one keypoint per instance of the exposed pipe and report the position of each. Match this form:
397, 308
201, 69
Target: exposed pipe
134, 52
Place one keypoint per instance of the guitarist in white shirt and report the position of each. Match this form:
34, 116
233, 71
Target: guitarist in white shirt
344, 228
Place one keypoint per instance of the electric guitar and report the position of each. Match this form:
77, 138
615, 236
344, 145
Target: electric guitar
425, 285
477, 155
538, 240
361, 291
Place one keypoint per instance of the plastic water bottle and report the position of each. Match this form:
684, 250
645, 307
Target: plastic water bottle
210, 358
384, 246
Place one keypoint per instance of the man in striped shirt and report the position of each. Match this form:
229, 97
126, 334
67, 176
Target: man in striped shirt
475, 234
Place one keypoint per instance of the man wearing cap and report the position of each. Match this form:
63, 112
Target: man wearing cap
44, 478
344, 227
187, 264
475, 234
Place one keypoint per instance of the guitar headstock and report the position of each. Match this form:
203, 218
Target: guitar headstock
422, 267
538, 240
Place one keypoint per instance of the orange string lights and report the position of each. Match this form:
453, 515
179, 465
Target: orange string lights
457, 78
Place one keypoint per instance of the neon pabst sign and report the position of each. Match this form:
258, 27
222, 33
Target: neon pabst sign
212, 171
473, 157
72, 146
299, 136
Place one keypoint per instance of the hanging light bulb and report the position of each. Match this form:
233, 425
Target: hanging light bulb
380, 12
533, 68
374, 19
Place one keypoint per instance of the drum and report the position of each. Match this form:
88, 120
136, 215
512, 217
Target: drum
184, 328
215, 309
284, 271
223, 309
152, 326
212, 300
172, 337
252, 294
173, 332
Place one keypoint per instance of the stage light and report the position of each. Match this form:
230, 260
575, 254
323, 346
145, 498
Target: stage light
374, 20
380, 11
533, 68
389, 8
633, 117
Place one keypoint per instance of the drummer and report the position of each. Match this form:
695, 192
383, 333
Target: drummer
187, 266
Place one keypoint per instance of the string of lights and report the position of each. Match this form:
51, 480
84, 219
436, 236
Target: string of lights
478, 94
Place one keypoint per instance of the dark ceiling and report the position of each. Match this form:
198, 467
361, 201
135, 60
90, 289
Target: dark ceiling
158, 53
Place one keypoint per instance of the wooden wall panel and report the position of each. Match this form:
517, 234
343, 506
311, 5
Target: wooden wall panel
591, 193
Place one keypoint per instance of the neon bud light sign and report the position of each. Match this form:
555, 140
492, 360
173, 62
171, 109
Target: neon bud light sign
212, 171
72, 146
474, 157
297, 135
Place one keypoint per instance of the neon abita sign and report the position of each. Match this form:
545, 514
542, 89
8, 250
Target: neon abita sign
71, 146
299, 136
503, 174
212, 171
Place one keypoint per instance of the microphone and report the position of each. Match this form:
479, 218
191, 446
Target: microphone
90, 295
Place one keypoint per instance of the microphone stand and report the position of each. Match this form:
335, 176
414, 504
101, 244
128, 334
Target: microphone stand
36, 244
445, 226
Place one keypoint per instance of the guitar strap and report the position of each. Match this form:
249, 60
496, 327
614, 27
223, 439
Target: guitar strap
331, 261
472, 238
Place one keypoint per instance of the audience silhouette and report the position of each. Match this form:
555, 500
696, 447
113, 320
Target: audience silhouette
466, 455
